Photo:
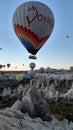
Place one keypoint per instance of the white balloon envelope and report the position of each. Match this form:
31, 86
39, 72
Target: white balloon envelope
33, 23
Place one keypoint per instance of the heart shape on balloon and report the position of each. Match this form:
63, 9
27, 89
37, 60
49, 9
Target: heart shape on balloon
32, 9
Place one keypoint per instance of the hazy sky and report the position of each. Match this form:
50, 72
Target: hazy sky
57, 51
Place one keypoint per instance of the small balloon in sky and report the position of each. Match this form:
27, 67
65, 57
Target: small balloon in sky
31, 74
0, 48
8, 65
41, 70
33, 23
3, 66
67, 36
0, 66
32, 65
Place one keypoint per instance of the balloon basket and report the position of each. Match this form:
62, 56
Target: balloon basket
32, 57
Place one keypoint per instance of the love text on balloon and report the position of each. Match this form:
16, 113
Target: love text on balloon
40, 17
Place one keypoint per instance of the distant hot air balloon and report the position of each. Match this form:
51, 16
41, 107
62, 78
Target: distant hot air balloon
8, 65
0, 66
0, 48
3, 66
47, 70
31, 74
33, 23
32, 65
19, 78
41, 70
67, 36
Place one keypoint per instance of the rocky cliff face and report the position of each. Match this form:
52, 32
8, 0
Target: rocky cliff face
12, 119
31, 111
35, 104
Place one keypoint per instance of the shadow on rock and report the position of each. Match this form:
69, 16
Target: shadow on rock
35, 105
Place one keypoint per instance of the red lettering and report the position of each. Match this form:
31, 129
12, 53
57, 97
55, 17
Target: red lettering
34, 17
44, 18
50, 21
40, 18
32, 8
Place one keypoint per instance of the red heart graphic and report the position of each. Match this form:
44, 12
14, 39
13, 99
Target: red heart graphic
30, 20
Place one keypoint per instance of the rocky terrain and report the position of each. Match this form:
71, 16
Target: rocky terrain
45, 103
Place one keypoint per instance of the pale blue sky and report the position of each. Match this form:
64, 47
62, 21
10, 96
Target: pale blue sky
57, 51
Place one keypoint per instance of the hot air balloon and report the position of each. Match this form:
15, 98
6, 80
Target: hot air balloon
8, 65
3, 66
67, 36
41, 70
15, 67
32, 65
47, 70
31, 74
33, 23
0, 66
0, 48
